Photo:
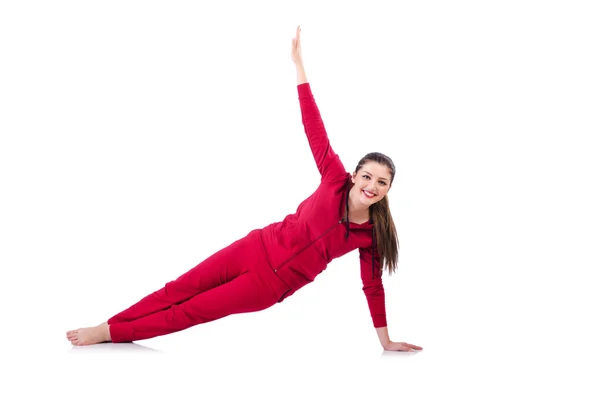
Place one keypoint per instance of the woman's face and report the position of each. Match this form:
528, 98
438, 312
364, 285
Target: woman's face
371, 182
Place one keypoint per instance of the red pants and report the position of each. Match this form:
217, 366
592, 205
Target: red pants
236, 279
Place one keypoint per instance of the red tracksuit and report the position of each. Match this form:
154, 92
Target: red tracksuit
269, 264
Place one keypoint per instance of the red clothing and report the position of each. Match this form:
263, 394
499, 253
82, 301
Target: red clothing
302, 245
267, 265
235, 279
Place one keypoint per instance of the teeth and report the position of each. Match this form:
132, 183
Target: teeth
368, 193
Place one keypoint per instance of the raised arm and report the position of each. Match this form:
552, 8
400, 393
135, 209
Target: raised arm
328, 162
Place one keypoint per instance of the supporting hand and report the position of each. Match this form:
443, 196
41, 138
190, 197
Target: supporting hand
387, 344
401, 346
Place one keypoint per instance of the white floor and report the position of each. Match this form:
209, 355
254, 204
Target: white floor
297, 351
270, 371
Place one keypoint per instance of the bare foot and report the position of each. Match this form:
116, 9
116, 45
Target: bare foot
90, 335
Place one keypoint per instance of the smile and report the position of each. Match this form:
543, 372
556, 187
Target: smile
368, 194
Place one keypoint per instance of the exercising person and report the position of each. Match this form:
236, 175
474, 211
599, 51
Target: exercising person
347, 211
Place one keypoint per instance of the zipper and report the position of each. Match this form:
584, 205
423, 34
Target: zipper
311, 243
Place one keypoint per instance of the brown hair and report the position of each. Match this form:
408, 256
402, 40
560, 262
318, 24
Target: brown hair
386, 237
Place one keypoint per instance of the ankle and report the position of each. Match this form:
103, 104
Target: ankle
106, 332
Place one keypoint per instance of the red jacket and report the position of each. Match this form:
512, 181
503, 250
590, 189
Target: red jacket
304, 243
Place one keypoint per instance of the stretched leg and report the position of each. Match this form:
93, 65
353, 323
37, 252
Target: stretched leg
246, 293
219, 268
214, 271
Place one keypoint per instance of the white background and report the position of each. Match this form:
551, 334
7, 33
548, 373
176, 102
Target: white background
139, 137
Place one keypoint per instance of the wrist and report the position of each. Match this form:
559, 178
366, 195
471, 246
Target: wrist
301, 75
384, 337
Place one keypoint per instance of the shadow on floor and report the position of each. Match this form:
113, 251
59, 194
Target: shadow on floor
129, 348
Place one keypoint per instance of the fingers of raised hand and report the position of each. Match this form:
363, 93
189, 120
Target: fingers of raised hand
297, 39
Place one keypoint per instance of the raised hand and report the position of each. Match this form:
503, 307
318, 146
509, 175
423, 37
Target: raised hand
296, 48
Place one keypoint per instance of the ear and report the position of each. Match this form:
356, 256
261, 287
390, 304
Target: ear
353, 176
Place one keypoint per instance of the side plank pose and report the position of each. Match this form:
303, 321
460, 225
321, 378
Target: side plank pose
346, 212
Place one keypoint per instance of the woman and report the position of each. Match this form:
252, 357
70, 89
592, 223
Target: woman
346, 212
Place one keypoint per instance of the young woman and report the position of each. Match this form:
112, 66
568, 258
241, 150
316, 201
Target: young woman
346, 212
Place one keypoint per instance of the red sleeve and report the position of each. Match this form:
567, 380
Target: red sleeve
373, 286
328, 162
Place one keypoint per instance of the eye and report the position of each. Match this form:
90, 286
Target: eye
366, 177
382, 183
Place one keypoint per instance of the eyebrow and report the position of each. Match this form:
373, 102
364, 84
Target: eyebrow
372, 175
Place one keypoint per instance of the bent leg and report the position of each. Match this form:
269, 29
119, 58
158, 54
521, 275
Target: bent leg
246, 293
218, 269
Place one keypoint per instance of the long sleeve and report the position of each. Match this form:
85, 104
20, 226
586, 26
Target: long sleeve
373, 286
328, 162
